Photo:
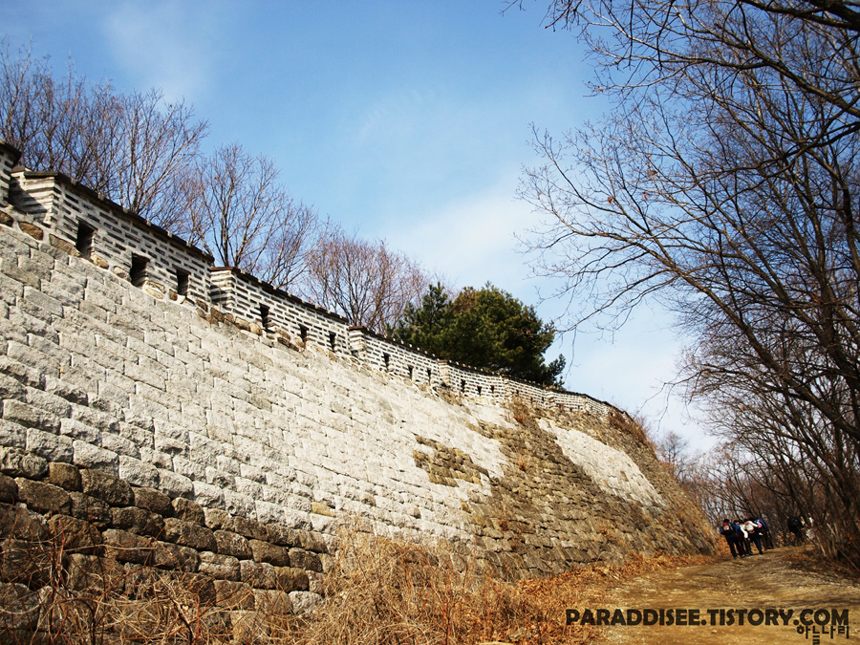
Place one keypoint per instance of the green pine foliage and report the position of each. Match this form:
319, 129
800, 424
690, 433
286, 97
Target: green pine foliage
486, 328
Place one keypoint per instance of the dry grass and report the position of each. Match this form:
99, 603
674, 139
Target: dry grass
379, 592
389, 592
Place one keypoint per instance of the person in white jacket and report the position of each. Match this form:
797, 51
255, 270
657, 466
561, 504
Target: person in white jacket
752, 533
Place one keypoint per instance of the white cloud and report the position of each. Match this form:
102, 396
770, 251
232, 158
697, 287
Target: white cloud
470, 241
164, 44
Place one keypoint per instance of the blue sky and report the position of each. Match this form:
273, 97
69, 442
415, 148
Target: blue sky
407, 120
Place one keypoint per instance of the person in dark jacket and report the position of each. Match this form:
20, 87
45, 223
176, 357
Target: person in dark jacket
795, 525
727, 530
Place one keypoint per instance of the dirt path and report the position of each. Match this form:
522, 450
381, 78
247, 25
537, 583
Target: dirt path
777, 580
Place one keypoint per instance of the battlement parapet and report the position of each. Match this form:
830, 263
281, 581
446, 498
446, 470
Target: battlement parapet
81, 222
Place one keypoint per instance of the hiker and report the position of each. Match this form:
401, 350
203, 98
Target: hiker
766, 539
795, 525
728, 532
743, 542
753, 534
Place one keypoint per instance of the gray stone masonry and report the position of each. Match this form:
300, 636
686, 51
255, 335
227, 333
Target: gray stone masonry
193, 435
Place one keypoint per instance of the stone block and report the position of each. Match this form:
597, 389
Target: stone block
50, 447
30, 416
42, 497
90, 509
208, 495
32, 230
291, 579
12, 436
64, 475
20, 523
312, 541
123, 546
249, 528
74, 535
306, 560
8, 490
222, 567
175, 556
25, 562
138, 520
189, 534
94, 573
137, 472
174, 485
21, 611
282, 536
304, 601
188, 511
153, 500
259, 575
106, 487
266, 552
229, 543
10, 388
272, 602
217, 519
93, 457
234, 595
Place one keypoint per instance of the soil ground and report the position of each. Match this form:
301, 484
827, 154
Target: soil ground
785, 579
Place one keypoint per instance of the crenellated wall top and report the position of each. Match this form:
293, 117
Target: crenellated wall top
81, 222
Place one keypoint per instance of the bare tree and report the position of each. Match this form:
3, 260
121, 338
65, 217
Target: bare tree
366, 282
723, 183
241, 215
134, 148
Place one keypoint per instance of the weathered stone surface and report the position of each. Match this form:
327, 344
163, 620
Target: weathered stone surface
305, 560
204, 413
42, 497
234, 595
188, 511
259, 575
30, 416
108, 488
265, 552
64, 475
216, 519
249, 528
291, 579
8, 490
311, 542
90, 509
75, 536
32, 230
229, 543
175, 556
282, 536
272, 601
20, 523
17, 463
128, 547
138, 520
25, 562
223, 567
21, 609
94, 573
189, 534
153, 500
304, 601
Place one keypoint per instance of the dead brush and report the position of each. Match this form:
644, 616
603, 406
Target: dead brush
386, 592
58, 588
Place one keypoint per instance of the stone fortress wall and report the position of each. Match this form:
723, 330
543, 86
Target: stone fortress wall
168, 411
